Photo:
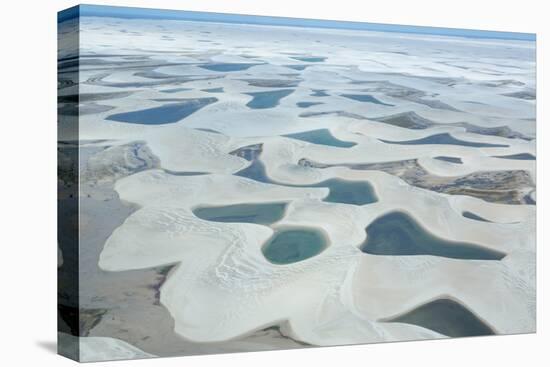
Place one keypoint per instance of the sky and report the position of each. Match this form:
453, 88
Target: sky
143, 13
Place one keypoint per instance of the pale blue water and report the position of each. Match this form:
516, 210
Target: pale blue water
340, 191
256, 172
175, 90
321, 136
213, 90
444, 139
288, 246
227, 67
348, 192
307, 104
167, 114
259, 213
398, 234
319, 93
267, 99
449, 159
365, 98
446, 317
520, 156
309, 58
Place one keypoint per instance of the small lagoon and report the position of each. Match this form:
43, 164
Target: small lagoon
321, 136
307, 104
227, 67
340, 191
166, 114
348, 192
213, 90
267, 99
176, 90
455, 160
445, 139
309, 58
446, 317
297, 67
319, 93
365, 98
398, 234
259, 213
291, 245
520, 156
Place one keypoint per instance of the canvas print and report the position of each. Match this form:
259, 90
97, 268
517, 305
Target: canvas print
232, 183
